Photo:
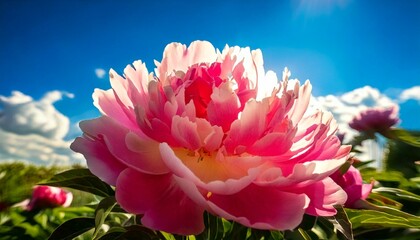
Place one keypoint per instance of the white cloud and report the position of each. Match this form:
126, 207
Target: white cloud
410, 93
23, 115
100, 72
33, 131
36, 149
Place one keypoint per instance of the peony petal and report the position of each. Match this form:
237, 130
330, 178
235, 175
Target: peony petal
148, 157
164, 205
133, 149
185, 132
99, 160
302, 103
108, 104
139, 78
138, 192
272, 144
177, 57
240, 135
261, 207
324, 196
224, 107
210, 136
301, 174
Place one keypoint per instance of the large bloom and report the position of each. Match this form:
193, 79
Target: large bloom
377, 119
352, 182
212, 131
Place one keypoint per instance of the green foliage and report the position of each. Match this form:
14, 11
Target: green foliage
410, 138
402, 157
17, 180
83, 180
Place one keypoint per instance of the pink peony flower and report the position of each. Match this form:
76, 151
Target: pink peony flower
49, 197
352, 183
377, 119
212, 131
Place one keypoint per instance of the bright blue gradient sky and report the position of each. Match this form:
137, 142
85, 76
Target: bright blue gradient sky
338, 45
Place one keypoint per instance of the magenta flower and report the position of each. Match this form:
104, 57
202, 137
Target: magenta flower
212, 131
49, 197
377, 119
352, 183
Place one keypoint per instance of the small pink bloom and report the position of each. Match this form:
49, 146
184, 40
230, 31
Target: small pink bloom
377, 119
49, 197
210, 130
352, 183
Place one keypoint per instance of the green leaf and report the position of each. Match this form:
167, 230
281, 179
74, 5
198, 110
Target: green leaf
213, 228
360, 164
381, 200
403, 136
138, 232
297, 234
308, 222
237, 231
386, 218
73, 228
102, 211
81, 179
341, 223
276, 235
113, 233
397, 193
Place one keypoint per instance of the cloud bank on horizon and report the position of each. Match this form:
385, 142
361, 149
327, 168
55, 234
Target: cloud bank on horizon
33, 131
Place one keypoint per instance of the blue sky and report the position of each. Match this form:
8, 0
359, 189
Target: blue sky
338, 45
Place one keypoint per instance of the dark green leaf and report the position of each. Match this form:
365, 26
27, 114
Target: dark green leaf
403, 136
398, 193
342, 223
237, 231
102, 210
213, 227
359, 164
381, 200
138, 232
297, 234
72, 228
276, 235
386, 218
113, 233
308, 222
81, 179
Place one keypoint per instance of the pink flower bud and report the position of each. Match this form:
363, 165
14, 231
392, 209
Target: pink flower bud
49, 197
353, 185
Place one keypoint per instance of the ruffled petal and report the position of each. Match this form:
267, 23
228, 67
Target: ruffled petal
177, 57
132, 149
248, 129
99, 160
324, 196
164, 205
301, 174
109, 105
224, 107
261, 207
